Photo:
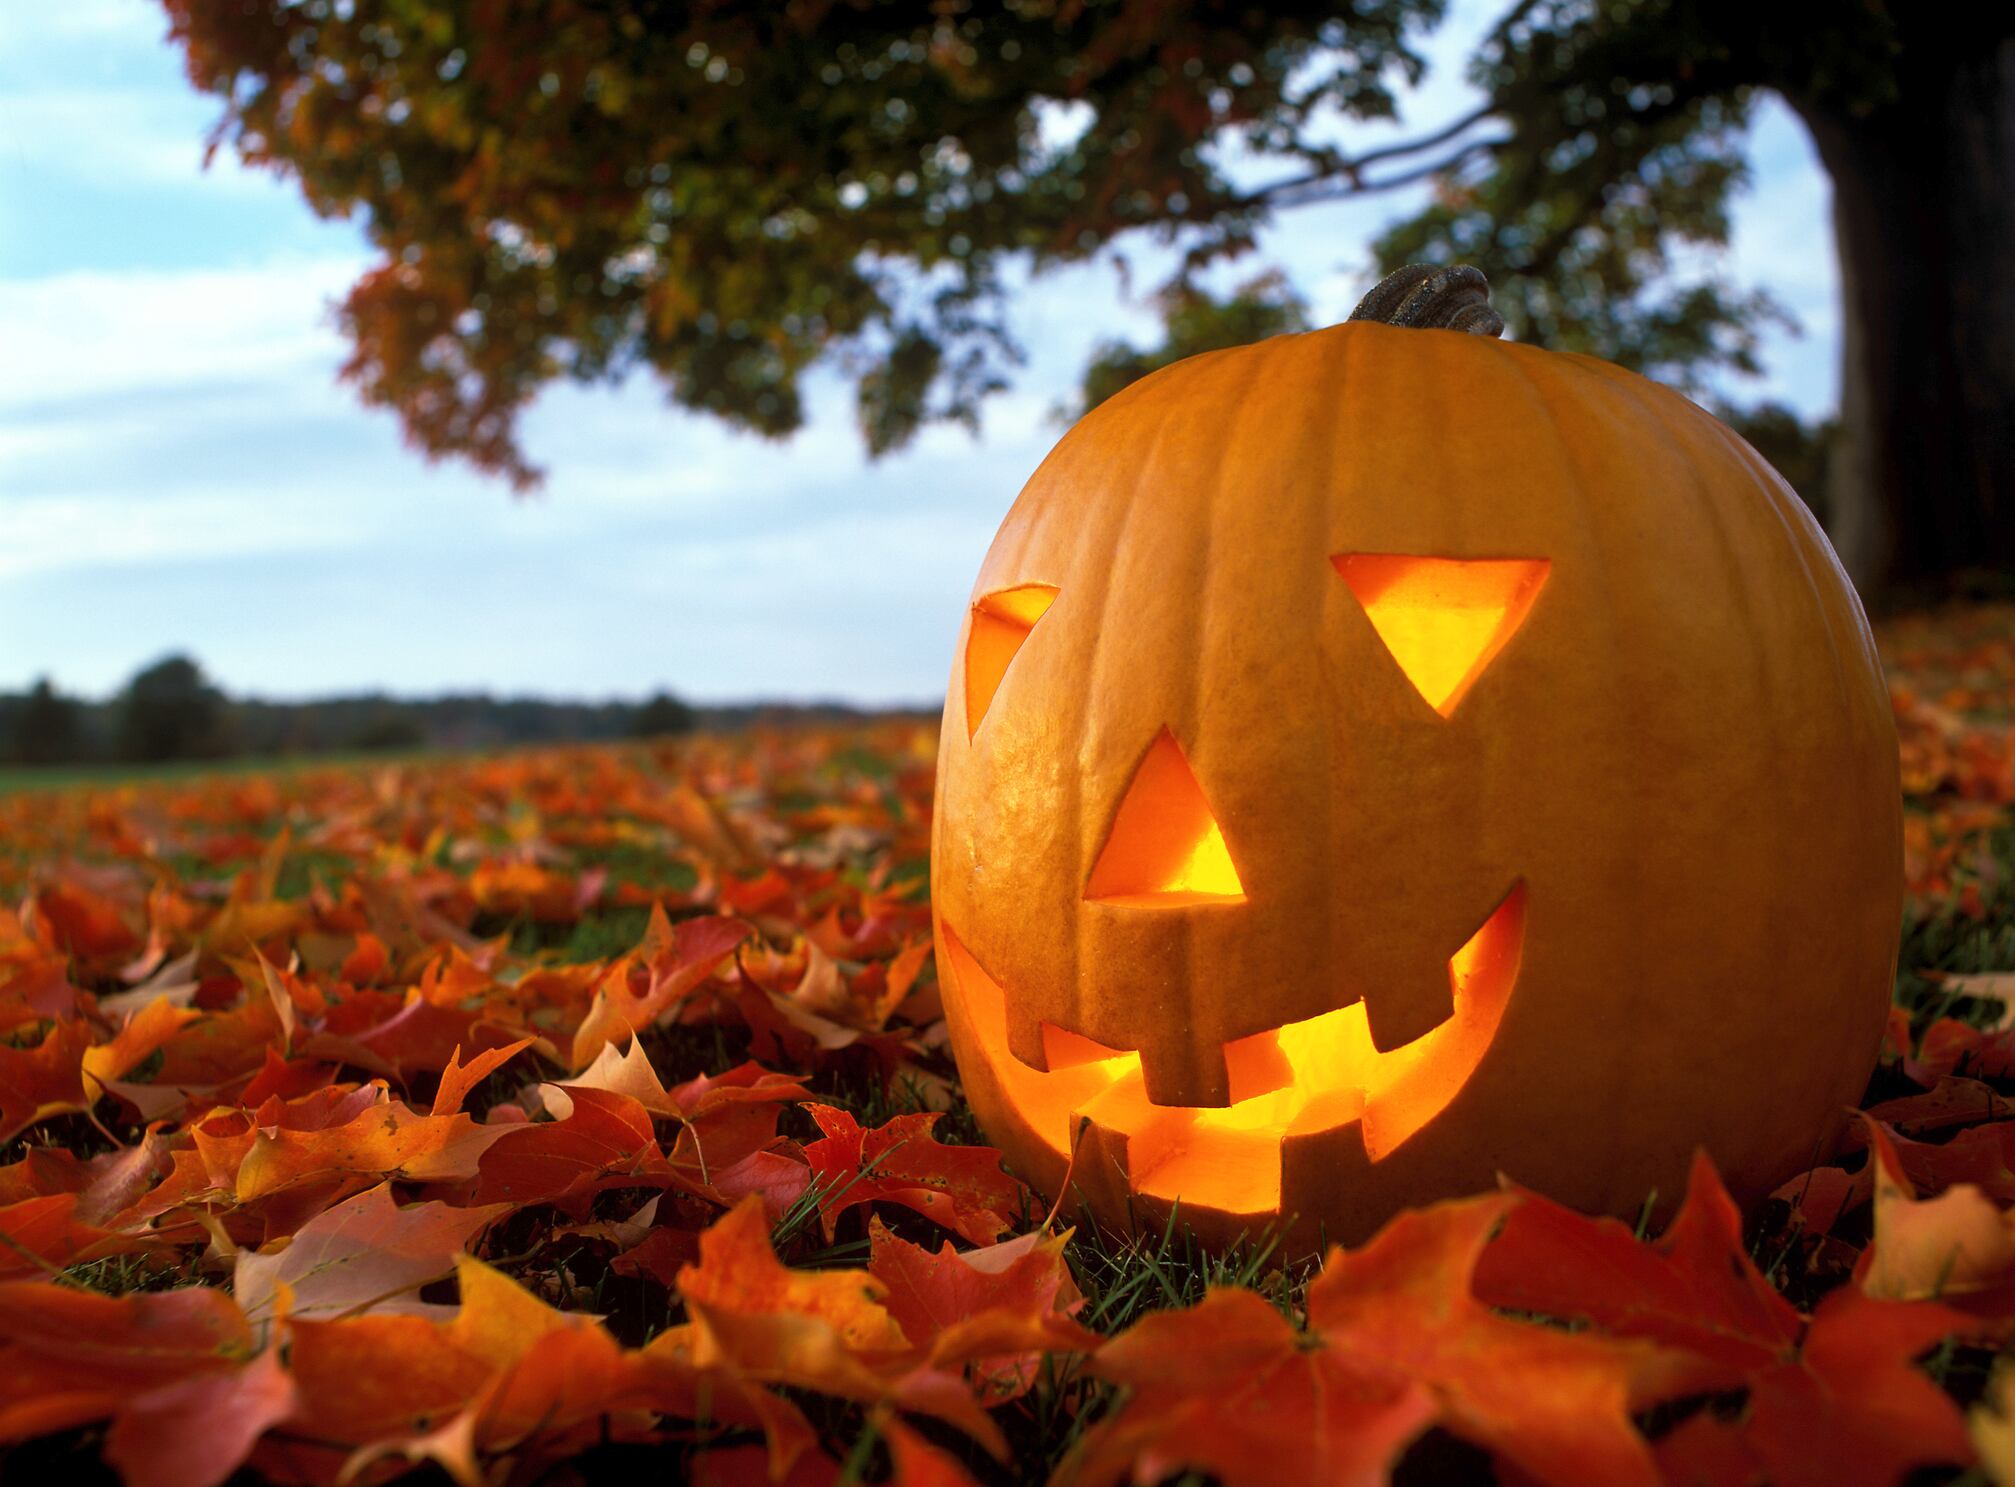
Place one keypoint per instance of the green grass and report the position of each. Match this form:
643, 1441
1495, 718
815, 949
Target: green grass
17, 778
1955, 944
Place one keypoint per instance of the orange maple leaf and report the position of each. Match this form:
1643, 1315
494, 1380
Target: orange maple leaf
823, 1329
46, 1080
673, 962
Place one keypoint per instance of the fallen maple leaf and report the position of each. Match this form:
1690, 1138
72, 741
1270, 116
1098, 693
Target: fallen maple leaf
35, 987
1952, 1101
727, 1145
569, 1390
824, 1330
600, 1141
69, 1357
86, 924
505, 1369
374, 1378
458, 1078
961, 1188
745, 1084
364, 1254
777, 1176
1851, 1409
43, 1235
754, 1319
626, 1072
499, 1320
416, 1036
506, 1375
46, 1080
367, 961
41, 1171
995, 1311
1949, 1246
1230, 1388
221, 1046
1836, 1402
674, 960
1818, 1198
1696, 1287
660, 1254
143, 1033
551, 1402
197, 1431
1556, 1405
385, 1138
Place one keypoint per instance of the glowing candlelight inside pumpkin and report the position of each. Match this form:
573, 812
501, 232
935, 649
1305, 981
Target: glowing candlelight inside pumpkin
1321, 1073
1165, 847
1443, 619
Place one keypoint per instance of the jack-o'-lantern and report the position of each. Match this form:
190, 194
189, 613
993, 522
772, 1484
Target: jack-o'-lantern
1381, 759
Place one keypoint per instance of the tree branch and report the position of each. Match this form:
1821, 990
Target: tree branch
1344, 176
1305, 190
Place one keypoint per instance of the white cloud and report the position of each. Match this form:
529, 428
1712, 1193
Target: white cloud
50, 534
93, 335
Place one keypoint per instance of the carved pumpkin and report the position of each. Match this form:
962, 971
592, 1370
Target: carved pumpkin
1384, 758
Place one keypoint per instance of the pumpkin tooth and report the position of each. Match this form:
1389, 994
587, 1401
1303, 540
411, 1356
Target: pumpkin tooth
1406, 996
1025, 1035
1193, 1075
1100, 1167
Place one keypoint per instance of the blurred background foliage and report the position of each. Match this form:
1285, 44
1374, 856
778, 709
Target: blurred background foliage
171, 711
727, 194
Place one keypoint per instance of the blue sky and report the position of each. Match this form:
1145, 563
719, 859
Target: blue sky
179, 469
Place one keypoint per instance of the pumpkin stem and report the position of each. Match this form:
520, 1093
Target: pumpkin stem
1423, 297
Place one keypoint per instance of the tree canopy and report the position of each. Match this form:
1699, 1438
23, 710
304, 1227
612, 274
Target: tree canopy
727, 194
171, 711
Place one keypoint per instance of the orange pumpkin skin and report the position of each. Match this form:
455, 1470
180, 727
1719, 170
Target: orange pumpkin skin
1659, 831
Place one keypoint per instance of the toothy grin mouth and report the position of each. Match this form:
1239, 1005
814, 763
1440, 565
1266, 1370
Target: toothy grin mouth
1293, 1080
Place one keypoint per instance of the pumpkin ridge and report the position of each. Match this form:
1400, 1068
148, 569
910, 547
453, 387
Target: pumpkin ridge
1117, 535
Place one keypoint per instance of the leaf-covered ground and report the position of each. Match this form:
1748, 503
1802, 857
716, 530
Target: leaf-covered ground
329, 1155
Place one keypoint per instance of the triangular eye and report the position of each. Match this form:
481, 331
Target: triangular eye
1001, 622
1166, 848
1443, 619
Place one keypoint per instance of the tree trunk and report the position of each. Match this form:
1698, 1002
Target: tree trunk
1922, 486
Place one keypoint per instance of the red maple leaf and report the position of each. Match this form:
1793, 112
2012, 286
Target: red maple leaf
961, 1188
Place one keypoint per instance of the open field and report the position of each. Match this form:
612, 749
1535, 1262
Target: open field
16, 778
329, 1152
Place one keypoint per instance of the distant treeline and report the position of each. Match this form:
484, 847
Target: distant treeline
172, 711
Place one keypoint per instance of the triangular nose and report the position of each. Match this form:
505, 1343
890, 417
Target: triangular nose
1165, 848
